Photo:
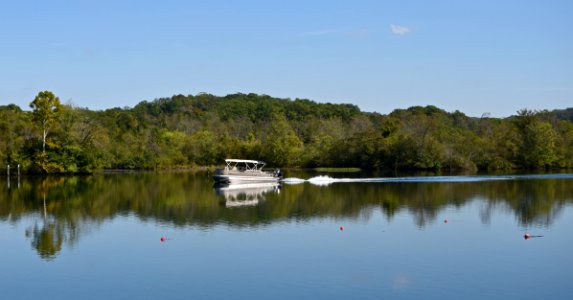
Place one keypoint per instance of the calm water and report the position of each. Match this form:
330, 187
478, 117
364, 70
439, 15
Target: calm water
98, 237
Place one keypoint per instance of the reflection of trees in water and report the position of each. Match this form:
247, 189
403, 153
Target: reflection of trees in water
73, 205
532, 201
486, 210
47, 240
44, 200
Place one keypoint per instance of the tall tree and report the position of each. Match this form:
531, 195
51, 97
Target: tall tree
285, 147
45, 111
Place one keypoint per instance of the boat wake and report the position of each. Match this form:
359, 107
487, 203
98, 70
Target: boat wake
292, 180
323, 180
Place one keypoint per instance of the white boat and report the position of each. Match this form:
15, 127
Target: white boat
239, 171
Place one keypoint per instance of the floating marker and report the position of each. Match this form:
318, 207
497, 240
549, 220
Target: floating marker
163, 239
526, 236
341, 228
446, 221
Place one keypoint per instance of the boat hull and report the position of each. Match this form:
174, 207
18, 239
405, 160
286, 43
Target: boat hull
242, 179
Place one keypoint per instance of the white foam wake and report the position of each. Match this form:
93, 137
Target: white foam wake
292, 180
323, 180
320, 180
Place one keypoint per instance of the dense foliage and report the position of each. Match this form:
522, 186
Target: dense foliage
202, 130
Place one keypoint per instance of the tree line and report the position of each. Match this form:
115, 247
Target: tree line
203, 129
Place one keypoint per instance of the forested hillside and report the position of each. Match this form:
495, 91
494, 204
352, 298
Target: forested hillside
202, 130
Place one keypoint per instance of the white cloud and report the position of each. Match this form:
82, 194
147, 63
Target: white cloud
399, 30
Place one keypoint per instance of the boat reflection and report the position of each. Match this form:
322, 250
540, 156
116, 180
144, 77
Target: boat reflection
248, 194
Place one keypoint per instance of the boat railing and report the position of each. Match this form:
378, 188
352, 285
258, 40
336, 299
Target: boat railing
246, 172
243, 172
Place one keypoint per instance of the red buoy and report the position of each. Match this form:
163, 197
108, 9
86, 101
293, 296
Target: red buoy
526, 236
446, 221
163, 239
341, 228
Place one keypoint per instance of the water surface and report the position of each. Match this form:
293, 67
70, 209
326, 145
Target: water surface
99, 236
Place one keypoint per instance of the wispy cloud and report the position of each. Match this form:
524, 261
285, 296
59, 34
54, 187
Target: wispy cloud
399, 30
359, 33
550, 89
321, 32
61, 44
354, 33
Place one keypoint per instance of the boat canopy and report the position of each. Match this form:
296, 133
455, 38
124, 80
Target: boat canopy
250, 165
230, 160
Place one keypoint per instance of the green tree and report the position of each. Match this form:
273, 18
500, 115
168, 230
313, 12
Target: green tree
45, 111
540, 143
13, 134
285, 148
538, 139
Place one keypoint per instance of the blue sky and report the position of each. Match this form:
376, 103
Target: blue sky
473, 56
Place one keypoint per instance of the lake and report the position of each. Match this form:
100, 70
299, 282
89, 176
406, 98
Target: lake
176, 236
